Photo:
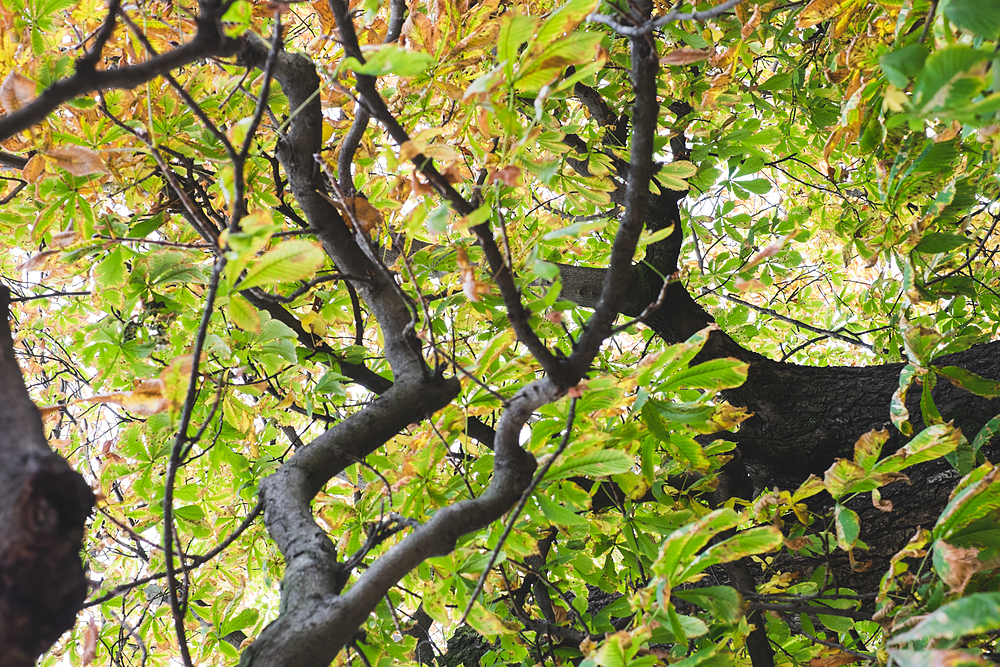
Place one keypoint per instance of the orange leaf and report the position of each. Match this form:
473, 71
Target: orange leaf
16, 92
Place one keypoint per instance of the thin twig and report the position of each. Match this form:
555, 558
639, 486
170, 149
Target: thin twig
195, 561
516, 513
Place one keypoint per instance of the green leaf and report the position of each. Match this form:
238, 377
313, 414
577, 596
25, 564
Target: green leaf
986, 433
236, 20
723, 602
679, 168
758, 186
391, 59
976, 496
750, 542
931, 443
110, 273
292, 260
683, 543
975, 16
937, 242
848, 526
902, 65
715, 374
561, 21
515, 30
843, 477
969, 381
557, 514
593, 463
486, 623
191, 513
977, 613
936, 82
245, 619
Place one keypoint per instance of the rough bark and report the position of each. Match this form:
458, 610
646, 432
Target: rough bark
43, 507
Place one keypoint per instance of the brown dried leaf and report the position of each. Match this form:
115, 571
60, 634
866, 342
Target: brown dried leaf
686, 56
64, 239
751, 24
837, 659
90, 635
34, 169
962, 564
360, 210
77, 160
16, 92
39, 262
326, 19
509, 175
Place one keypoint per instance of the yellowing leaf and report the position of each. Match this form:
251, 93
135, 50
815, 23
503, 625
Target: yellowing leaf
818, 11
77, 160
288, 261
243, 314
16, 92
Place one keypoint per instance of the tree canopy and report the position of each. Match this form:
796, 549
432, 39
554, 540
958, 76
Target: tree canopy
486, 332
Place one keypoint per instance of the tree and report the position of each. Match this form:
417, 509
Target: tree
623, 335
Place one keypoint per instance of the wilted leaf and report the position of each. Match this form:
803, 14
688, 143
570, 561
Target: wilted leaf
90, 636
509, 175
64, 239
38, 262
16, 92
979, 612
360, 212
686, 56
955, 565
77, 160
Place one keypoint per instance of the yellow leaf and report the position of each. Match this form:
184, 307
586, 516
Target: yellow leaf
16, 92
77, 160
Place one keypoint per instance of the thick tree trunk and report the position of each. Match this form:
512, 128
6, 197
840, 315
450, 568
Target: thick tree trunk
43, 507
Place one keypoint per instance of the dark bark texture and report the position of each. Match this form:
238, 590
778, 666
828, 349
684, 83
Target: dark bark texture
43, 507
